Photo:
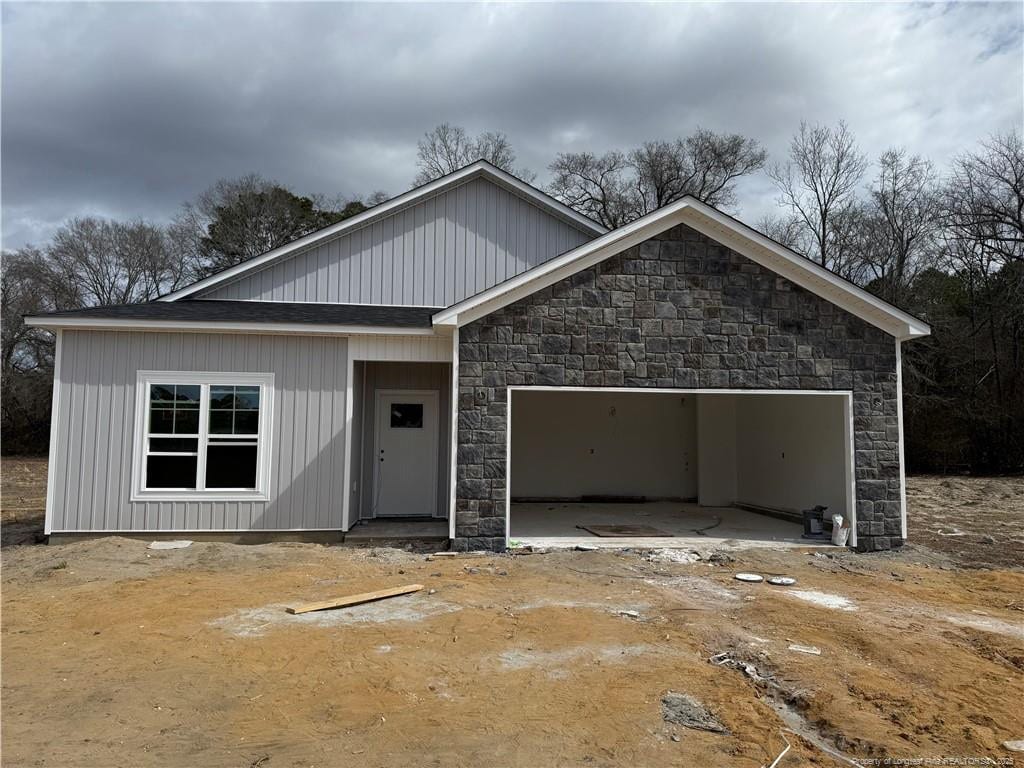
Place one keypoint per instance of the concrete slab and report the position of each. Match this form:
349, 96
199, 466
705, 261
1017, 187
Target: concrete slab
554, 525
385, 529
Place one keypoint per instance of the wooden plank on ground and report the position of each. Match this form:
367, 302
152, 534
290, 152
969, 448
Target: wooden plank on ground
365, 597
474, 553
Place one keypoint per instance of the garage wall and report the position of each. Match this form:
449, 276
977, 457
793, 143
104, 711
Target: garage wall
676, 311
790, 451
716, 450
571, 444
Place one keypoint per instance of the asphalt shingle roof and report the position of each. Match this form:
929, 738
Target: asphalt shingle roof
200, 310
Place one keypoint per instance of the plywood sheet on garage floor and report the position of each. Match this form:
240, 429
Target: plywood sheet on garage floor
554, 525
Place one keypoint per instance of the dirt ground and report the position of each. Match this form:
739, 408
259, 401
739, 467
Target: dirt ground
22, 499
115, 655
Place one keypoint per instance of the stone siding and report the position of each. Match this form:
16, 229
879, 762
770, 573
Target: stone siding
678, 310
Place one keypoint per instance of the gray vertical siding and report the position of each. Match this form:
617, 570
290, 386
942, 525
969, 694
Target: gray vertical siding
388, 375
434, 253
95, 428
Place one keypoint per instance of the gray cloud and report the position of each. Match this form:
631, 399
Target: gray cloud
128, 109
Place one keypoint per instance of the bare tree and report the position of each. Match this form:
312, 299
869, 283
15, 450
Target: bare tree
983, 214
902, 221
95, 262
818, 184
617, 187
704, 165
447, 148
787, 230
596, 186
984, 200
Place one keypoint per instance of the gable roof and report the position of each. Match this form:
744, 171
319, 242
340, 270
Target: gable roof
716, 225
479, 169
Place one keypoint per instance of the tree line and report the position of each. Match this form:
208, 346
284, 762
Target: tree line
945, 246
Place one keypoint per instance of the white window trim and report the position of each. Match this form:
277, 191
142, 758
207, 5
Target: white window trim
144, 379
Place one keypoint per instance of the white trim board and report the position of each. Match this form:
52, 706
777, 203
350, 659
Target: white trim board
722, 228
902, 445
221, 326
454, 437
51, 467
480, 168
848, 433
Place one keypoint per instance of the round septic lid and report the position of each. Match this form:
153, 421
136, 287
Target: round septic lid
782, 581
749, 577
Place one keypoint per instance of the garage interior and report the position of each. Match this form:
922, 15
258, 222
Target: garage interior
690, 468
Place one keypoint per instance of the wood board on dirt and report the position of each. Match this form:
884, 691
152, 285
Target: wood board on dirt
364, 597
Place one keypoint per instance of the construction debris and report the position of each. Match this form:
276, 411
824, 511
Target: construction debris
365, 597
682, 709
170, 544
750, 577
811, 649
782, 754
725, 660
475, 553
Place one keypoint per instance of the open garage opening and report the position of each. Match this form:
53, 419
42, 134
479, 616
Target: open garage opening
675, 468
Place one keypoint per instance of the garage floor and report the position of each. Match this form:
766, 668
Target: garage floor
554, 525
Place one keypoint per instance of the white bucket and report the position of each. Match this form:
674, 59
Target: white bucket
840, 531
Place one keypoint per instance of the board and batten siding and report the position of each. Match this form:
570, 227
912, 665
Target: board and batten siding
92, 475
433, 253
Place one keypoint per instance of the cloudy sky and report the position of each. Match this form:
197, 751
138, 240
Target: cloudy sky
126, 110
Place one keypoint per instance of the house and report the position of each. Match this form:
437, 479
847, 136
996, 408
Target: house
469, 349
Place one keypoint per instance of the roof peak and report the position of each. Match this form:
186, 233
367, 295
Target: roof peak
478, 168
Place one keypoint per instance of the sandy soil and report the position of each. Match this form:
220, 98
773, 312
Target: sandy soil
114, 655
22, 499
979, 521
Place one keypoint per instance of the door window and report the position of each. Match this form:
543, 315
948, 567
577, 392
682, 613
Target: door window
407, 416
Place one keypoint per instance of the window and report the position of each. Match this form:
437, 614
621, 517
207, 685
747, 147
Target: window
202, 436
407, 416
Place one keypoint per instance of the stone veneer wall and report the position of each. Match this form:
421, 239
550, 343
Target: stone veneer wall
678, 310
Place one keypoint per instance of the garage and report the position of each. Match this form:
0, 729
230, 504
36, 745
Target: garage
674, 468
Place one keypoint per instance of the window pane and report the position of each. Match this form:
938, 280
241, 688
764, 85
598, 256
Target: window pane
161, 394
171, 472
222, 397
186, 422
232, 466
161, 421
407, 416
247, 397
220, 422
247, 422
186, 395
173, 444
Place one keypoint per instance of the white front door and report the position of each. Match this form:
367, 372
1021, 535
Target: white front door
405, 459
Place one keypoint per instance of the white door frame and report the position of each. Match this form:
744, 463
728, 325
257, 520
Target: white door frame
427, 394
848, 437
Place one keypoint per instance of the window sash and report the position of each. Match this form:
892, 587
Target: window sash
204, 438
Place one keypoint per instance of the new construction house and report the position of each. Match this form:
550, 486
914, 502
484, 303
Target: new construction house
475, 358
